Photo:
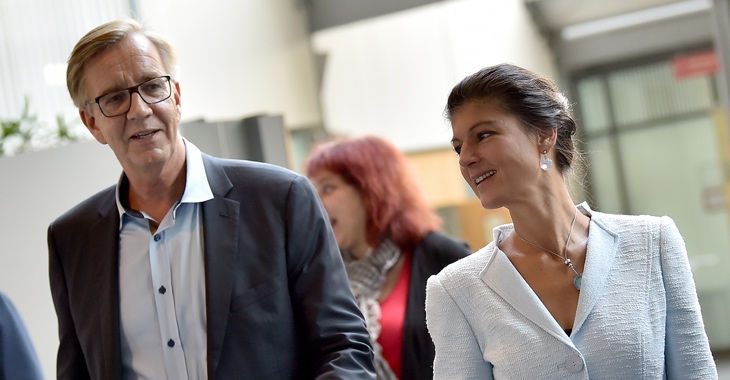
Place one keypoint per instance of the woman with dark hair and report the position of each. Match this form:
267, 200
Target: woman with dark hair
563, 291
387, 233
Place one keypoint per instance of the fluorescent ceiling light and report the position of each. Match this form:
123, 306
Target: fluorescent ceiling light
627, 20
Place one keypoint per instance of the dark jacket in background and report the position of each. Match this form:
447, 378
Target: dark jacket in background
432, 254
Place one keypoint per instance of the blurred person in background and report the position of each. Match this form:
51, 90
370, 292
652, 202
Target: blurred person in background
388, 235
18, 358
563, 291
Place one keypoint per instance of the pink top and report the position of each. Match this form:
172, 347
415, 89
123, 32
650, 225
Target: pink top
392, 316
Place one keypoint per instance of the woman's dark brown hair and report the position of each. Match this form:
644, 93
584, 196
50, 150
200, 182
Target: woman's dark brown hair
532, 98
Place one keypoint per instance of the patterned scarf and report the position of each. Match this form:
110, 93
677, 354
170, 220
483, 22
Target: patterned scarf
366, 277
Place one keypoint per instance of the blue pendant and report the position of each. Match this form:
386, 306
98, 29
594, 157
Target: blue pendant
577, 281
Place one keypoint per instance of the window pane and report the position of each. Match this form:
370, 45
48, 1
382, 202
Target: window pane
672, 171
593, 105
606, 191
651, 92
36, 38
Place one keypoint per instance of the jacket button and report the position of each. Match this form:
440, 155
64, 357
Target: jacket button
162, 290
157, 237
574, 363
171, 343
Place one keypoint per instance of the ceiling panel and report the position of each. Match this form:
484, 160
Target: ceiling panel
557, 14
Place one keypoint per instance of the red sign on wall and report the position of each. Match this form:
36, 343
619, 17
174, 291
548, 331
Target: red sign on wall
695, 64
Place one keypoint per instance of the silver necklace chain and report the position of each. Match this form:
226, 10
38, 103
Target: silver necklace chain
578, 276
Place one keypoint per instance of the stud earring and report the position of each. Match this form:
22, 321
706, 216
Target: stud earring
546, 162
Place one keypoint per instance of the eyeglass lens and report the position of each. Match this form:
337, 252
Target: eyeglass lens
118, 102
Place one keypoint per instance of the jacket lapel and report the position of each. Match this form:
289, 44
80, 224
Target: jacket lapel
602, 247
103, 243
502, 277
220, 225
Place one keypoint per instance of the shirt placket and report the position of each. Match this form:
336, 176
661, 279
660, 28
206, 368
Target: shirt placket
161, 268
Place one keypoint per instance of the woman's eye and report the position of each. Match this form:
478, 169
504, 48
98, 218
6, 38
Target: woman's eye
327, 189
483, 135
457, 149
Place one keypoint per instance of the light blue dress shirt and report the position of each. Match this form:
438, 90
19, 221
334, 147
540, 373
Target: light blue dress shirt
162, 284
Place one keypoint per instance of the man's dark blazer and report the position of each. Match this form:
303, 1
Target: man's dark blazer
278, 301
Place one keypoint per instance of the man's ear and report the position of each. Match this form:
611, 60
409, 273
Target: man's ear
176, 96
87, 117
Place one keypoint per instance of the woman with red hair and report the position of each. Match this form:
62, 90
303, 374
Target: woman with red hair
389, 239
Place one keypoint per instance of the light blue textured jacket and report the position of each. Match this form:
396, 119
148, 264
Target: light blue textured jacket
638, 316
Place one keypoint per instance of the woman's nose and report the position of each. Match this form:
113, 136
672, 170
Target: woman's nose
467, 155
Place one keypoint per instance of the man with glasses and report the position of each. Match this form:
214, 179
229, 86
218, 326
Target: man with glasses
191, 266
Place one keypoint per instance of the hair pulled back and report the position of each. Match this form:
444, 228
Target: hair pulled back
533, 99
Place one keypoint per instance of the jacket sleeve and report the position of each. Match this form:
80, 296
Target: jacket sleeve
321, 296
458, 355
687, 349
70, 359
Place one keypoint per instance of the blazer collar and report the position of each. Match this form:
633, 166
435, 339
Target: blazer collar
602, 247
221, 220
103, 239
501, 276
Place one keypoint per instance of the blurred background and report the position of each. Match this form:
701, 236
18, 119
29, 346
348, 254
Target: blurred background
266, 79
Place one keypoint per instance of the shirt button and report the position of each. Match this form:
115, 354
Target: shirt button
158, 237
574, 363
171, 343
162, 290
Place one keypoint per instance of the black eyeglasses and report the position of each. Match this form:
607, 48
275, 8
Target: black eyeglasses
119, 102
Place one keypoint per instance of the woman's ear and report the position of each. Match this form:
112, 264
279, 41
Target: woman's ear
546, 138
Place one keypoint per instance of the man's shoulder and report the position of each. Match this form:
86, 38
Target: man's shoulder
237, 169
91, 206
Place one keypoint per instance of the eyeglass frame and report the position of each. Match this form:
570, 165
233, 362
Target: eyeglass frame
132, 90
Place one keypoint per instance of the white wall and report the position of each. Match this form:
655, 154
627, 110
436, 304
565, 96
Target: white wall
240, 58
37, 187
391, 75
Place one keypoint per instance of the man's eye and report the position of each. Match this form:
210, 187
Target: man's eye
114, 98
457, 149
152, 87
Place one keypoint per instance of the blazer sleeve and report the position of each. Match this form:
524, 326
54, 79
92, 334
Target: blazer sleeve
322, 300
70, 360
458, 355
687, 349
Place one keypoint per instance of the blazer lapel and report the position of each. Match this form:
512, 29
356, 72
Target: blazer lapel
502, 277
602, 247
220, 225
103, 273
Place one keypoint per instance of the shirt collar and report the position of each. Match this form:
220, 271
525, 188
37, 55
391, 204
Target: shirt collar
197, 188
